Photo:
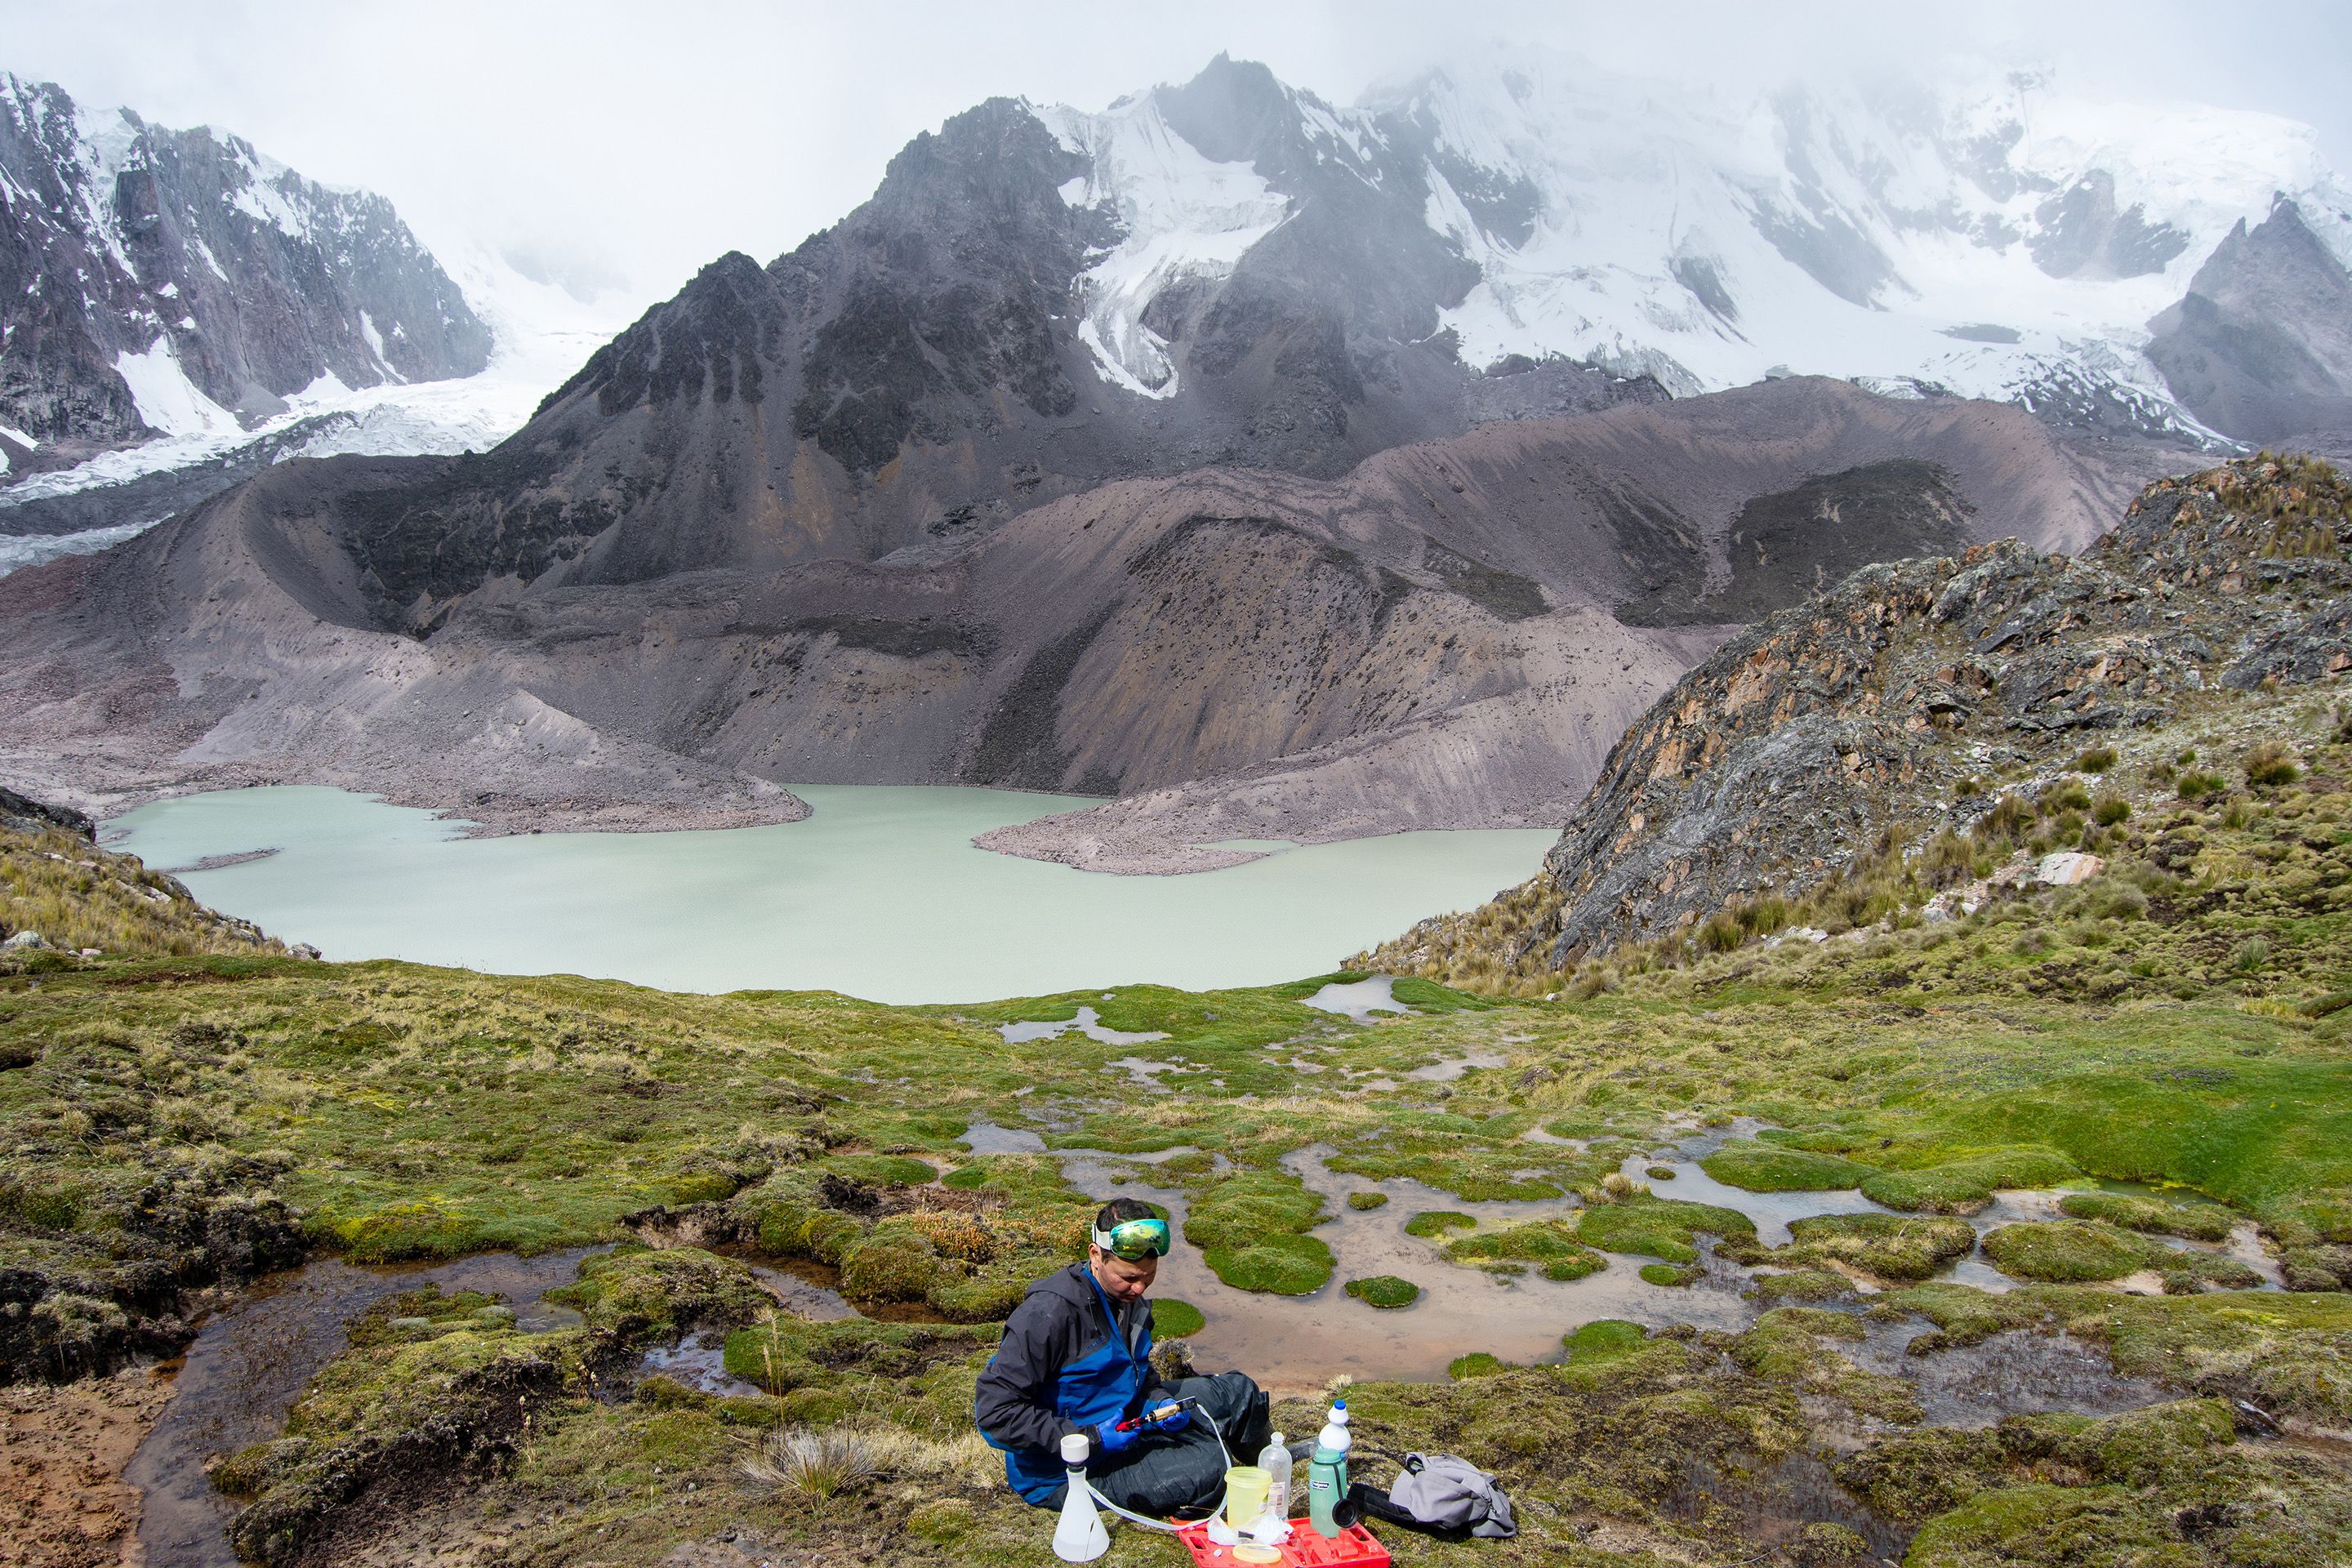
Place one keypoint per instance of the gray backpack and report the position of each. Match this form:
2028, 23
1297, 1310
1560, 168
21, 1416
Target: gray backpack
1438, 1494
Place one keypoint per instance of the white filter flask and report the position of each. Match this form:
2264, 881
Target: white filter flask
1078, 1533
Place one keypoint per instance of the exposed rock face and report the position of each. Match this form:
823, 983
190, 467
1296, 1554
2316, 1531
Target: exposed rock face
1780, 759
143, 269
1798, 542
2262, 345
1428, 642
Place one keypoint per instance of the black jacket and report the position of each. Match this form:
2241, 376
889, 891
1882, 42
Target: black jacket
1060, 1321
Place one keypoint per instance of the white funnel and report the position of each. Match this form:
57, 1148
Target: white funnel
1079, 1534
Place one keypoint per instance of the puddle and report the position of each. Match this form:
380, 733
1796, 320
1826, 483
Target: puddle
1143, 1072
1770, 1211
2015, 1373
1974, 1271
1296, 1344
1361, 1000
798, 1290
248, 1364
1087, 1023
813, 1290
988, 1137
698, 1360
1773, 1504
2245, 1245
1446, 1072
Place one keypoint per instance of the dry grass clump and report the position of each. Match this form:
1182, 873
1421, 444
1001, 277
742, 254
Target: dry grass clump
78, 896
815, 1464
835, 1461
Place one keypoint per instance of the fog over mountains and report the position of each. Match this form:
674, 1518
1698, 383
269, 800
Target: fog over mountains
1436, 434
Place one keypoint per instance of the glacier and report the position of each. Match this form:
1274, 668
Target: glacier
1986, 235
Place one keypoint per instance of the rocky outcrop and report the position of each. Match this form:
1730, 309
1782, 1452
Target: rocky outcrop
144, 269
1787, 756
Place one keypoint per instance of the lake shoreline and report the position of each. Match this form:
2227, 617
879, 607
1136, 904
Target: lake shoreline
834, 900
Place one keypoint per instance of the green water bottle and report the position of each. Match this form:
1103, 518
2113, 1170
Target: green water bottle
1327, 1473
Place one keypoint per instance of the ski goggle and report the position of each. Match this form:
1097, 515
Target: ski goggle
1134, 1239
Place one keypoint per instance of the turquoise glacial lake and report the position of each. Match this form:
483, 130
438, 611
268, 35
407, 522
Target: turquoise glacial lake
879, 894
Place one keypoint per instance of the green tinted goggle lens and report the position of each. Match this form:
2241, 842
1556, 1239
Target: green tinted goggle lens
1135, 1239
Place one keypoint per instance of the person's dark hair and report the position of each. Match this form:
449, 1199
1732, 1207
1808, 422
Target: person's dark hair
1118, 1210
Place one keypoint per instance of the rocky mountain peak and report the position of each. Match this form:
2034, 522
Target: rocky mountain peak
169, 281
1233, 111
2261, 343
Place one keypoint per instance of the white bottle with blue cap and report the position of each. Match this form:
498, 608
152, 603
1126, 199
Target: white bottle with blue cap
1327, 1473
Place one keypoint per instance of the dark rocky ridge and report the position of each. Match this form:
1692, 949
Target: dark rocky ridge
115, 235
914, 372
1783, 758
1798, 542
1427, 642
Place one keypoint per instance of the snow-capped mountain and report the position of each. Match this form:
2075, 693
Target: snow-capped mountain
1230, 272
178, 311
180, 282
1995, 239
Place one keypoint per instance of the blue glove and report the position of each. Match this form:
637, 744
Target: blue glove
1176, 1422
1109, 1439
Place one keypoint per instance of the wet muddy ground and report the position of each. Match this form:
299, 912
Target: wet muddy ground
248, 1364
63, 1500
1296, 1344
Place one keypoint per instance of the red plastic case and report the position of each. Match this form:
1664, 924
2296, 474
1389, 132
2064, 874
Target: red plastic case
1353, 1548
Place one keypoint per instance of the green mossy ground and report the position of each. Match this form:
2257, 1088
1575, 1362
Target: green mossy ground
1385, 1290
1545, 1244
2203, 1222
1889, 1246
1659, 1227
1436, 1222
2072, 1250
1175, 1319
1768, 1168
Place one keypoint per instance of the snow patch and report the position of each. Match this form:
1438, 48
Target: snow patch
543, 334
1657, 204
1185, 217
20, 551
167, 400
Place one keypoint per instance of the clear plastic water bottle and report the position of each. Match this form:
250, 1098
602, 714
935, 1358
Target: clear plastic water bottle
1327, 1473
1274, 1459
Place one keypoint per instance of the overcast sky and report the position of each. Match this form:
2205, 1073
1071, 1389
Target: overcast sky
638, 141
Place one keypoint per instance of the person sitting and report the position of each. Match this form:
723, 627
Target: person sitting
1077, 1357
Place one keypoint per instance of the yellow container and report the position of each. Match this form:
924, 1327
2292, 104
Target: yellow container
1246, 1490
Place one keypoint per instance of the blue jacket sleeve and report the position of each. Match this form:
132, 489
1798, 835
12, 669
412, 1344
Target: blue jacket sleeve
1014, 1404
